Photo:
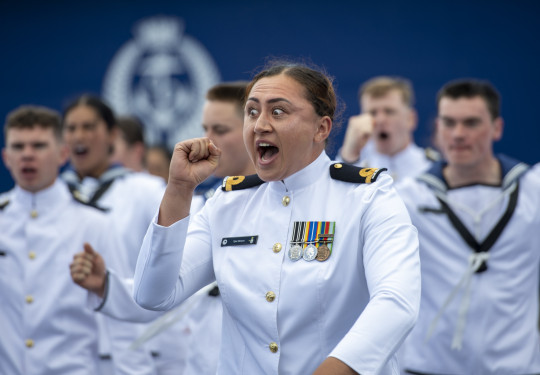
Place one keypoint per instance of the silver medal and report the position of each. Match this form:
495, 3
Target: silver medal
295, 252
310, 253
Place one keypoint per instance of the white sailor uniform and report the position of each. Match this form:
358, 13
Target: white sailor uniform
285, 316
130, 199
46, 327
480, 254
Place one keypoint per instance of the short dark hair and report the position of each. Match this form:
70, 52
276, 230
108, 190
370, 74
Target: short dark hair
233, 92
131, 128
380, 86
471, 88
102, 109
30, 116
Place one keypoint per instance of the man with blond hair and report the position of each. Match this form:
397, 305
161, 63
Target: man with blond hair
382, 135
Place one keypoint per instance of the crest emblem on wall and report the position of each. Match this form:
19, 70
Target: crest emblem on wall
161, 76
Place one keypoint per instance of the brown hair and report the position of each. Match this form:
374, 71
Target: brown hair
29, 116
233, 92
319, 88
380, 86
102, 109
471, 88
131, 129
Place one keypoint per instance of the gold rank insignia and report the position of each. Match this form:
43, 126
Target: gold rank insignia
350, 173
240, 182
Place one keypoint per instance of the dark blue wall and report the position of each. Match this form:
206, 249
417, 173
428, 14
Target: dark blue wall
52, 50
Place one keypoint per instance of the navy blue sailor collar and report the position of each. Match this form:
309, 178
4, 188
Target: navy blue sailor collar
114, 171
511, 169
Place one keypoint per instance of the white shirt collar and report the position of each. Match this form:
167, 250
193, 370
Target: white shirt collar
44, 200
305, 177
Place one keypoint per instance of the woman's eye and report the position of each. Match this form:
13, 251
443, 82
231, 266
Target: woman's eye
252, 112
277, 111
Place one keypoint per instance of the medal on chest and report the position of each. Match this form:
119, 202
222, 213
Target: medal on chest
312, 240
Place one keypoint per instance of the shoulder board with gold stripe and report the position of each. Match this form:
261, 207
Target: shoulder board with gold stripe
351, 173
240, 182
4, 204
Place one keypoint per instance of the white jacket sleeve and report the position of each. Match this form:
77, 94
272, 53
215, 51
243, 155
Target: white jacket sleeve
392, 267
173, 264
118, 301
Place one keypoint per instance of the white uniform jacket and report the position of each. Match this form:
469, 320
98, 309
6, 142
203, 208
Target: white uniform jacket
130, 199
282, 316
46, 327
496, 332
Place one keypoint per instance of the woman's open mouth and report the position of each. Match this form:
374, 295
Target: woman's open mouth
267, 152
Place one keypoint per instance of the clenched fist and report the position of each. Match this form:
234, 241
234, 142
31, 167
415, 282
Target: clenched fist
88, 270
359, 130
193, 161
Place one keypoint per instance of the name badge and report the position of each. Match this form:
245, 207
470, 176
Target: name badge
239, 241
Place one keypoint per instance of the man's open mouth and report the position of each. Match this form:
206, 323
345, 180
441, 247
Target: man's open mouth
80, 150
383, 136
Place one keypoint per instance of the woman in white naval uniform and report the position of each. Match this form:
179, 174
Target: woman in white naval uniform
336, 300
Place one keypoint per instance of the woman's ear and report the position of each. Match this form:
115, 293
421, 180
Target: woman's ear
323, 130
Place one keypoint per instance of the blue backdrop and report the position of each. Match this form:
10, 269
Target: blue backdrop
53, 50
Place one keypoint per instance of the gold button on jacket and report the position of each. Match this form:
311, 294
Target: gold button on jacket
273, 347
270, 296
286, 200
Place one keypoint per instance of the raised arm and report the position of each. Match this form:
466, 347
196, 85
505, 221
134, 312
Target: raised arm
193, 161
157, 282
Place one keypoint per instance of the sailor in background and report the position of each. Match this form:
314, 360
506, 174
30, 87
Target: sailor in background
478, 219
130, 199
383, 134
46, 327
